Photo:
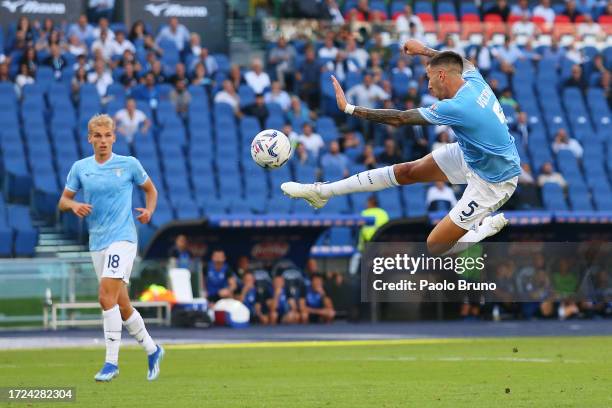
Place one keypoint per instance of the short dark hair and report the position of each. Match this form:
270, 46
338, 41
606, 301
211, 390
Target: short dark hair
447, 58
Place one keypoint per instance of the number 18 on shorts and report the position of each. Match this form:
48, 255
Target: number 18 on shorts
116, 261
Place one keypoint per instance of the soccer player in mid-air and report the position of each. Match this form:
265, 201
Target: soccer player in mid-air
484, 157
106, 180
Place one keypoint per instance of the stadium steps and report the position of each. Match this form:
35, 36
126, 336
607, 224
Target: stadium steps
53, 242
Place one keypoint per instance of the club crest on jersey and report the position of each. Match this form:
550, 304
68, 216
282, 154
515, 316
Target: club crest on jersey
118, 172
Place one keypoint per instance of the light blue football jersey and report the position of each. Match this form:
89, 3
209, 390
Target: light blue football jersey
108, 188
476, 117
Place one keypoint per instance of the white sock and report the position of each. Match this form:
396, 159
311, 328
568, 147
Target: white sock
470, 238
136, 327
112, 333
366, 181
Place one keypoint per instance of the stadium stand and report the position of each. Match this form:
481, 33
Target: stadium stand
201, 163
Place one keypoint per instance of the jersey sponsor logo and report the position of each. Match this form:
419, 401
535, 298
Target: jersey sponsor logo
168, 9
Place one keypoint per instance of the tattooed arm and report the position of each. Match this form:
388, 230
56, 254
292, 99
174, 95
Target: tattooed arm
387, 116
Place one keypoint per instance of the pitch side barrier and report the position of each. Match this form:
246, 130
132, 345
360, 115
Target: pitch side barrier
261, 238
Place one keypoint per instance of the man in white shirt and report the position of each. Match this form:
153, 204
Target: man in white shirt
590, 28
82, 29
129, 121
402, 24
564, 142
122, 44
356, 53
105, 44
279, 96
524, 28
545, 11
103, 25
257, 79
175, 32
328, 50
228, 95
548, 175
313, 142
100, 77
440, 192
366, 94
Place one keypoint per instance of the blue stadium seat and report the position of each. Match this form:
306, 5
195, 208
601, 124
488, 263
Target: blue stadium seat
390, 200
279, 205
552, 196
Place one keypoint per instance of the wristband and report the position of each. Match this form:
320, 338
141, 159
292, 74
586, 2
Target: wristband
349, 109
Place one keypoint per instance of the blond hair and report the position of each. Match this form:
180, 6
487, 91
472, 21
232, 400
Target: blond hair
100, 120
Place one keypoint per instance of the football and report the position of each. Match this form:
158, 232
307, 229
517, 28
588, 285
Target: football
271, 149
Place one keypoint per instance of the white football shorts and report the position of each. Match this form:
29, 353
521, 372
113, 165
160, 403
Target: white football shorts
116, 261
480, 197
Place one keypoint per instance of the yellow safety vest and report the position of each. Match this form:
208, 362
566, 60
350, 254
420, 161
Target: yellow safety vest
367, 231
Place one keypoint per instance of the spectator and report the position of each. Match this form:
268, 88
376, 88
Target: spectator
564, 142
103, 26
548, 175
105, 44
357, 54
545, 11
257, 79
402, 67
451, 45
521, 9
56, 61
278, 96
82, 29
76, 47
307, 77
481, 56
122, 44
131, 121
181, 98
554, 52
366, 94
200, 78
600, 76
303, 156
25, 30
253, 300
507, 55
341, 66
259, 110
179, 75
573, 54
219, 278
442, 139
440, 197
532, 282
24, 77
147, 91
316, 306
334, 12
179, 255
174, 32
367, 158
391, 154
362, 12
524, 28
98, 9
209, 62
283, 307
404, 21
128, 79
571, 10
576, 79
508, 99
100, 77
333, 158
30, 59
228, 95
526, 177
158, 72
138, 32
151, 47
281, 59
328, 50
291, 134
298, 112
79, 79
501, 8
381, 49
527, 195
195, 45
380, 218
565, 284
313, 142
235, 76
350, 144
521, 127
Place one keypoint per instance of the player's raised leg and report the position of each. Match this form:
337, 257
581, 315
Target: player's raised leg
108, 296
422, 170
133, 322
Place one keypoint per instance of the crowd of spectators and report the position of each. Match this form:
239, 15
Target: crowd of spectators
280, 293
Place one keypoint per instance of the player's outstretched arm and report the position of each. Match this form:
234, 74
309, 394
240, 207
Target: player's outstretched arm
391, 117
150, 200
68, 203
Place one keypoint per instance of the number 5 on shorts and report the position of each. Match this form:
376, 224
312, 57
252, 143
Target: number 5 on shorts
472, 205
113, 261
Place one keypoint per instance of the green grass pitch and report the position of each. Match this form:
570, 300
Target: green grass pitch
518, 372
